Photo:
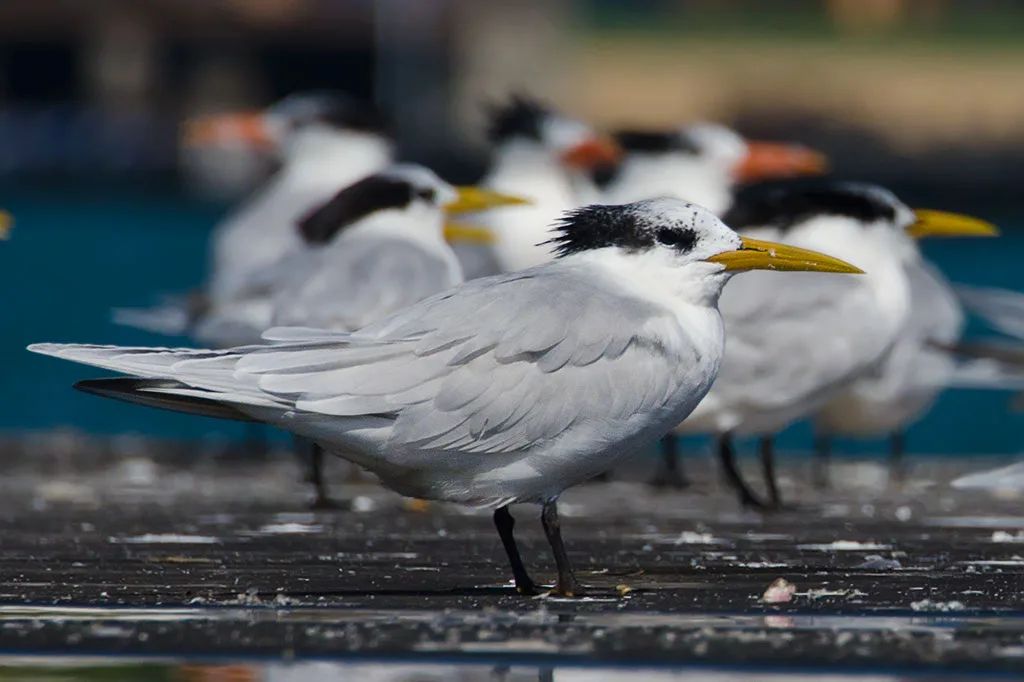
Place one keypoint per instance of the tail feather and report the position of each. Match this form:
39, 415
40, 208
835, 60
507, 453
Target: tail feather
210, 374
1001, 309
164, 394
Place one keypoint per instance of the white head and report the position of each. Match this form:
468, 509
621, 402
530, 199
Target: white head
673, 236
525, 123
868, 210
404, 196
300, 125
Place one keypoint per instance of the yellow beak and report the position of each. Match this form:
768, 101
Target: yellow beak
473, 199
6, 222
941, 224
758, 255
455, 233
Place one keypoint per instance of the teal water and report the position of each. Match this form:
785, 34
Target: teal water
73, 258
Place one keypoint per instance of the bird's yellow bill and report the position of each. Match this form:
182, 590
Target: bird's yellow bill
247, 128
941, 224
6, 222
759, 255
460, 233
474, 199
771, 160
594, 152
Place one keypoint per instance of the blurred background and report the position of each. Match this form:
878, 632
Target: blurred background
923, 96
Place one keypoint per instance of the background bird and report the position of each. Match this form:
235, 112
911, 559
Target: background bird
794, 343
502, 390
542, 156
905, 385
323, 141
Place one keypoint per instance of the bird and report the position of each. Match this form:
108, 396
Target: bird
507, 389
703, 163
794, 343
545, 157
917, 367
324, 141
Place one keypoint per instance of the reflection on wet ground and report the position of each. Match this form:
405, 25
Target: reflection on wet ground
79, 670
142, 560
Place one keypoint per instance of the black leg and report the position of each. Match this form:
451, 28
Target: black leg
822, 460
670, 473
770, 476
897, 461
316, 477
727, 456
504, 522
546, 675
566, 585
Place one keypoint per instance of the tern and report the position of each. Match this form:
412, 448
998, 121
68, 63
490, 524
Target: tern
702, 163
918, 367
502, 390
794, 344
324, 141
542, 156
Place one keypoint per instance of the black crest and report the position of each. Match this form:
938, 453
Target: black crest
655, 141
626, 226
369, 195
519, 117
785, 207
333, 109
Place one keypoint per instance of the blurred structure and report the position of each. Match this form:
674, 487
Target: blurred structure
89, 85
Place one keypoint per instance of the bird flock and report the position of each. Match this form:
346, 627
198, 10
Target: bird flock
594, 293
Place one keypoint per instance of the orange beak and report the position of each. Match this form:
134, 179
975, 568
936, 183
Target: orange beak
594, 152
768, 160
246, 128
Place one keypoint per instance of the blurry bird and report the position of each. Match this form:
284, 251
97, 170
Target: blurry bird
542, 156
702, 163
795, 343
502, 390
905, 385
324, 141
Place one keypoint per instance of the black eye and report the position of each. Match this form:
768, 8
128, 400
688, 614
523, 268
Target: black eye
681, 240
427, 194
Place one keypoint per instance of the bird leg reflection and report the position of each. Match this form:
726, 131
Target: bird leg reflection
822, 458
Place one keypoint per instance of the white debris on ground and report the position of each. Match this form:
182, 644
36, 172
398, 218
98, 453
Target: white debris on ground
166, 539
937, 606
843, 546
779, 592
1003, 536
1004, 481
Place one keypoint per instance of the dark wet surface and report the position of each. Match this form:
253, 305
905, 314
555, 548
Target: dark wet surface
137, 558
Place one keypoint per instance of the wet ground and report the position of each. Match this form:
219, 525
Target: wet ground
141, 558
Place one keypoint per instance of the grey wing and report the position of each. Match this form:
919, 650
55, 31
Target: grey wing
357, 282
488, 367
935, 312
1002, 309
790, 336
